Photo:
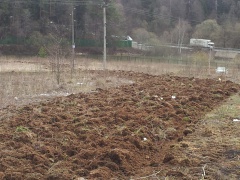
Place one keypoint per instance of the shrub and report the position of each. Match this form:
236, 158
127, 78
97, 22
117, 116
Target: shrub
42, 52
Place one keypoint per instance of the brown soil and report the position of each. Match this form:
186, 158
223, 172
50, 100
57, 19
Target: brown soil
131, 131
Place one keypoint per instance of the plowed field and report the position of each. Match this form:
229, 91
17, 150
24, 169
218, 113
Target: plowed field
134, 131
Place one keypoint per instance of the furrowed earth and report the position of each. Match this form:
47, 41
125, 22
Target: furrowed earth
151, 128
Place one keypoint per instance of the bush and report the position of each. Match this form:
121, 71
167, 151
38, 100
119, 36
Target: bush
42, 52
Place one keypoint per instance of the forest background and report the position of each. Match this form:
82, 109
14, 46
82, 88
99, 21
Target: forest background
153, 22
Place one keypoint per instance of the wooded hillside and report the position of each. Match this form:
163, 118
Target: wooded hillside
152, 22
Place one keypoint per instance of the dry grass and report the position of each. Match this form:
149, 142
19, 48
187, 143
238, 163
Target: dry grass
221, 120
137, 66
25, 80
9, 64
157, 68
229, 110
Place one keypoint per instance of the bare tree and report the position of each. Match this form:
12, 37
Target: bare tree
58, 48
182, 27
180, 33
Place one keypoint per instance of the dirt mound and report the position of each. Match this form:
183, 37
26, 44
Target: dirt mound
114, 133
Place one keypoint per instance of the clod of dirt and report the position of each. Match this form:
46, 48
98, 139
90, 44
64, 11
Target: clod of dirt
187, 131
207, 132
58, 173
80, 178
171, 133
1, 175
184, 145
232, 154
101, 173
175, 173
167, 158
10, 174
34, 176
184, 162
154, 164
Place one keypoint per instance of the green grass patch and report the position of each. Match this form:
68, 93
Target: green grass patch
22, 129
230, 109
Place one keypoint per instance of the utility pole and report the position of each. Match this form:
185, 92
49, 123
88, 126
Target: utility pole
73, 42
170, 7
209, 60
216, 8
189, 10
50, 8
179, 34
104, 36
